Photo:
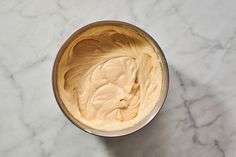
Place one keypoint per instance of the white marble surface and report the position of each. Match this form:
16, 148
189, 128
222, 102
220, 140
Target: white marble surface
199, 41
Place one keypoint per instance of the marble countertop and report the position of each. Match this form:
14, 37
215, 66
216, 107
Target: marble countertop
198, 39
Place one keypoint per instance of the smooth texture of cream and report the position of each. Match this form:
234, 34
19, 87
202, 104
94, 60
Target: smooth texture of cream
110, 77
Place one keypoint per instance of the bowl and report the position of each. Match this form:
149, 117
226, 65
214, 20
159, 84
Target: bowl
119, 132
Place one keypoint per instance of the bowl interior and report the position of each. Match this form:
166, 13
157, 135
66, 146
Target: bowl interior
143, 122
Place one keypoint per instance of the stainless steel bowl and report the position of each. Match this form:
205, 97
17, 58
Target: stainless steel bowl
142, 123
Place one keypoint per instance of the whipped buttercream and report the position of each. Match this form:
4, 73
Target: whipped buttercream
110, 77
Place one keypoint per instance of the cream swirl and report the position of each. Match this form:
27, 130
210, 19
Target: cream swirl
110, 78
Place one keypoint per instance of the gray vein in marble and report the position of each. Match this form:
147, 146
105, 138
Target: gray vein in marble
48, 154
195, 137
21, 13
189, 26
217, 145
32, 130
59, 131
181, 82
33, 64
59, 5
11, 77
131, 10
218, 45
187, 104
57, 135
11, 8
228, 45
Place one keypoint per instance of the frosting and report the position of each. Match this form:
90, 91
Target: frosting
110, 78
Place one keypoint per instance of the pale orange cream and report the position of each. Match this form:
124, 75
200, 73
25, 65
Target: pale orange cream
110, 77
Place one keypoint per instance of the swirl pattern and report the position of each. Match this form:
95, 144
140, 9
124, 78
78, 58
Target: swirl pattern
111, 78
